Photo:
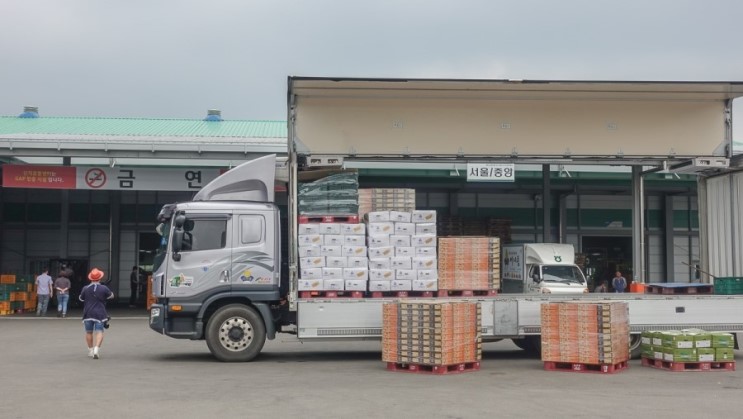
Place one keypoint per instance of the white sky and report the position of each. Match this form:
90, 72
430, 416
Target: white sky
177, 58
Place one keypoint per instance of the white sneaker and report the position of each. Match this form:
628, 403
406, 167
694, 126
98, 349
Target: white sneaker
90, 352
95, 353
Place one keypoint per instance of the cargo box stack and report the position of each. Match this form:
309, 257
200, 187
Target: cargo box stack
431, 333
336, 194
729, 285
17, 294
585, 334
332, 257
386, 199
689, 346
469, 263
402, 250
7, 287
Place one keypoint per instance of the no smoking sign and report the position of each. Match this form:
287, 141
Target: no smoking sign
95, 178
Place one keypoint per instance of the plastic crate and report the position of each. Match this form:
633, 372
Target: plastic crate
729, 285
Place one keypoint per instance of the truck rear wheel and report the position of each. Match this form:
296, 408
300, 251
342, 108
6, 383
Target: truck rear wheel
635, 349
235, 333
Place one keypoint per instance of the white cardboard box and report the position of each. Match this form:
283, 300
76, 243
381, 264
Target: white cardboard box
334, 284
405, 251
425, 228
423, 240
380, 263
425, 262
356, 284
381, 252
428, 274
401, 285
309, 239
356, 273
354, 251
423, 216
379, 285
332, 273
304, 229
377, 216
398, 240
401, 262
310, 285
400, 216
357, 262
310, 273
404, 229
310, 251
335, 262
354, 240
425, 251
312, 262
381, 274
353, 229
331, 251
425, 285
386, 227
406, 274
333, 240
378, 240
330, 228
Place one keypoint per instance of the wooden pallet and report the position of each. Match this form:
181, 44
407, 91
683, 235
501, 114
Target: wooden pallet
342, 219
466, 293
679, 289
402, 294
688, 366
331, 294
434, 369
585, 368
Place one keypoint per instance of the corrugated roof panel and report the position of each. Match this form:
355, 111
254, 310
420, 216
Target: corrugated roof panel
142, 127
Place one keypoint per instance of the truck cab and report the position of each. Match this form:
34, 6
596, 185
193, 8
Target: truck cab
541, 268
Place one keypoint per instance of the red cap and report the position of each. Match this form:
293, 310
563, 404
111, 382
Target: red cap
95, 275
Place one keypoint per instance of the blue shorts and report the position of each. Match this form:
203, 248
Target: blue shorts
91, 325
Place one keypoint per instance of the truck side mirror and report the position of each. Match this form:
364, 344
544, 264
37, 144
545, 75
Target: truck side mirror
177, 243
536, 278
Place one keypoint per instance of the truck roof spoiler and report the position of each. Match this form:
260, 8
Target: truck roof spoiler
250, 181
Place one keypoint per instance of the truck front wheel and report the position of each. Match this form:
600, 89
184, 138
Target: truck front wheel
235, 333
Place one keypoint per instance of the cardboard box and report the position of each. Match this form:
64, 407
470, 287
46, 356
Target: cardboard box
334, 284
356, 262
377, 216
381, 252
425, 251
332, 273
401, 262
400, 216
308, 229
406, 274
353, 229
309, 239
381, 228
401, 285
380, 285
380, 263
425, 262
354, 240
310, 273
309, 251
312, 262
424, 240
310, 285
428, 274
679, 355
425, 228
354, 251
331, 250
658, 339
405, 251
378, 240
330, 228
356, 274
724, 354
356, 285
646, 338
423, 216
722, 340
701, 340
706, 355
381, 274
334, 240
404, 229
336, 261
425, 285
674, 339
397, 240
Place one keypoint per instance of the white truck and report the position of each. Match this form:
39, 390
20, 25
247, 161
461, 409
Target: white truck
544, 268
220, 274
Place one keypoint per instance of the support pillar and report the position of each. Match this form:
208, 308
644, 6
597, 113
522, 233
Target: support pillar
638, 225
546, 204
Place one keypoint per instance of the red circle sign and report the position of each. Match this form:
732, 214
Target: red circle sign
95, 178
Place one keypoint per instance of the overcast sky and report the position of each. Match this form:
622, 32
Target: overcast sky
177, 58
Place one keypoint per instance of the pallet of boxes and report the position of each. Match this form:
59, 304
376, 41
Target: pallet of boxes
469, 266
688, 350
585, 336
16, 295
431, 336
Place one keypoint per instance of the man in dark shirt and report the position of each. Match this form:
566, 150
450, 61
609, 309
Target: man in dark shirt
94, 297
62, 286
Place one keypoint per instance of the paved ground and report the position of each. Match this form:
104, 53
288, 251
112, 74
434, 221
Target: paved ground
46, 373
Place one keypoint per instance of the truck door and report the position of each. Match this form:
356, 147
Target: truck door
254, 258
531, 286
205, 258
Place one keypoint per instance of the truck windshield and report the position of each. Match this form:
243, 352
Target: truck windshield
162, 250
566, 274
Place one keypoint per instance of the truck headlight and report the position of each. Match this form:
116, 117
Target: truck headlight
546, 291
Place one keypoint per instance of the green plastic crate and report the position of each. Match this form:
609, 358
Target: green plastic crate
729, 285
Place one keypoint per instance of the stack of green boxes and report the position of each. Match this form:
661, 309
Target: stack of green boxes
729, 285
11, 289
336, 194
688, 345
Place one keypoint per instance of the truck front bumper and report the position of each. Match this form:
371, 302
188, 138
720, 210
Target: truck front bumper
179, 326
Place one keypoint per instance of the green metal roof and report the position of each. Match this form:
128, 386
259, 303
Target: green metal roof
142, 127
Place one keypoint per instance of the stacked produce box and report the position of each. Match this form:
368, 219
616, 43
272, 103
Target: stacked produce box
431, 332
336, 194
729, 285
688, 345
469, 263
16, 294
386, 199
402, 250
585, 333
332, 257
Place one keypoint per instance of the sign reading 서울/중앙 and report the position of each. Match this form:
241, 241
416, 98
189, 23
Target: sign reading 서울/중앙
490, 172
